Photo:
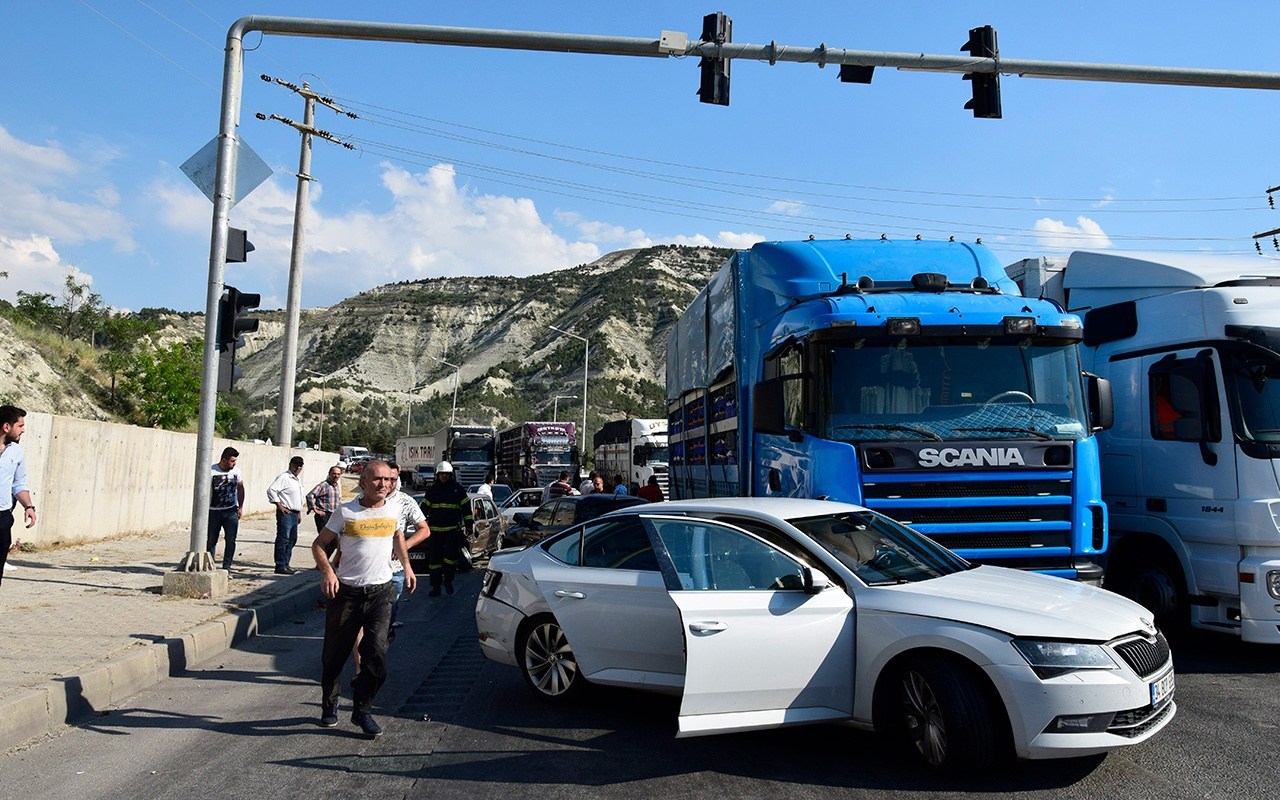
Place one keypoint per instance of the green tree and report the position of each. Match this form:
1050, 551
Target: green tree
165, 384
81, 313
38, 308
120, 335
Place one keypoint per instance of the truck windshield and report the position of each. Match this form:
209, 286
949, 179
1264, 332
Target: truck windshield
1253, 386
470, 455
950, 389
658, 455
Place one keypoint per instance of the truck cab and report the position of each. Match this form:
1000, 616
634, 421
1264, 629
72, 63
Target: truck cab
1191, 470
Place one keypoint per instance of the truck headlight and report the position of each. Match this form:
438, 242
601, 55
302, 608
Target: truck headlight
1273, 583
1050, 659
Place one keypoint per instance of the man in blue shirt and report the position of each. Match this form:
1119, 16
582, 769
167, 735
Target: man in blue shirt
13, 478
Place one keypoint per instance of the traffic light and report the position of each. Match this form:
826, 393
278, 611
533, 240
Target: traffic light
238, 245
231, 324
986, 85
715, 71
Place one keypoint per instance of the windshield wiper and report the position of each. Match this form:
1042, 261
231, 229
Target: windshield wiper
1039, 434
892, 427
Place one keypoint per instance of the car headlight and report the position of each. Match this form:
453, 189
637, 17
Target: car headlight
1049, 659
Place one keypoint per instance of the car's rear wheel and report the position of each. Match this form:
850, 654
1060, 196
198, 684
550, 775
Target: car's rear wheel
940, 715
547, 661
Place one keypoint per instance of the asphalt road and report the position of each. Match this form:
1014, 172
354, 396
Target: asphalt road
245, 727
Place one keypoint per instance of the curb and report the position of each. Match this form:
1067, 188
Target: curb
35, 712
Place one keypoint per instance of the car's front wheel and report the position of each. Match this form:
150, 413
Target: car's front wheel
547, 661
937, 710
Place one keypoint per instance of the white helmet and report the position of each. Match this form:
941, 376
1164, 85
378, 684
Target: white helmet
444, 466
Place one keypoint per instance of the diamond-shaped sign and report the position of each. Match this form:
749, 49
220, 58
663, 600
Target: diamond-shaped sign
202, 169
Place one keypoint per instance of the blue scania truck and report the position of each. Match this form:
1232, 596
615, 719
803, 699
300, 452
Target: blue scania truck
909, 377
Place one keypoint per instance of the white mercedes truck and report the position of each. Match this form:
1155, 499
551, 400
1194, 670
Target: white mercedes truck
1191, 468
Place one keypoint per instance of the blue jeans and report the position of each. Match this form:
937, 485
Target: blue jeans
397, 583
223, 519
286, 537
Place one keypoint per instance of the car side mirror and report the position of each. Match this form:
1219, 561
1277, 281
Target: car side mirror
815, 581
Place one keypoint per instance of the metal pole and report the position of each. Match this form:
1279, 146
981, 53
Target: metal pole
284, 421
555, 407
453, 415
586, 351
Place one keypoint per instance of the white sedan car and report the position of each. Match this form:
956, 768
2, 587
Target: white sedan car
770, 612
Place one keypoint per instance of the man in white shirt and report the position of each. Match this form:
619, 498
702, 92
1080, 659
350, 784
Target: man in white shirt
226, 505
486, 488
285, 493
368, 531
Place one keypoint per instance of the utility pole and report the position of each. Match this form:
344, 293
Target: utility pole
284, 416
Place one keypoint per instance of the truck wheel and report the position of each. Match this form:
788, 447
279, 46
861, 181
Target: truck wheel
547, 661
1158, 585
940, 715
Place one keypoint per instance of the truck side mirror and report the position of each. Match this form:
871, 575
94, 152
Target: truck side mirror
1101, 405
766, 407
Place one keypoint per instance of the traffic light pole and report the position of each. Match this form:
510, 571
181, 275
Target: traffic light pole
664, 46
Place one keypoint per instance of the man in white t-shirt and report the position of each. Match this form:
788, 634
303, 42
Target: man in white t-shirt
369, 530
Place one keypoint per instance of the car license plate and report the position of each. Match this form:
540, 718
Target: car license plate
1161, 688
417, 556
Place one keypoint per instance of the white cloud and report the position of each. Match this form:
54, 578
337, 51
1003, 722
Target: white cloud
789, 208
37, 204
34, 266
1086, 234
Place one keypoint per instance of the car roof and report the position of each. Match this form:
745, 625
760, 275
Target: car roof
780, 508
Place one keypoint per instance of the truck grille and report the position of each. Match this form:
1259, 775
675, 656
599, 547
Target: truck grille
1145, 656
989, 517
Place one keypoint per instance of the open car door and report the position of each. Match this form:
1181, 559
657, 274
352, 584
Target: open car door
768, 642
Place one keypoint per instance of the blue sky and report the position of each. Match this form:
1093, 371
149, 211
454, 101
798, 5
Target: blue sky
490, 162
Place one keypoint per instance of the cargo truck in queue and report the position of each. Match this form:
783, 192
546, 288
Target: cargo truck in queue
469, 448
1191, 470
909, 377
534, 453
634, 448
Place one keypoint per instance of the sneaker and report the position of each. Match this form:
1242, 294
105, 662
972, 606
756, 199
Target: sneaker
329, 717
367, 724
448, 588
435, 592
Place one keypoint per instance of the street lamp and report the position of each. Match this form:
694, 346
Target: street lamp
586, 349
408, 407
323, 385
555, 407
454, 413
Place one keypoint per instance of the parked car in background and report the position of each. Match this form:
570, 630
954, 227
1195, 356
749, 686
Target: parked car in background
764, 612
500, 492
425, 475
554, 516
486, 535
521, 501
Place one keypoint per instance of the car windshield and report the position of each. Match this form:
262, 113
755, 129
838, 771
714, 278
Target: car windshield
952, 389
879, 550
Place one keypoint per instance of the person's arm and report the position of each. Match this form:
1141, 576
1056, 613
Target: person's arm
240, 499
24, 497
402, 555
328, 578
421, 532
311, 500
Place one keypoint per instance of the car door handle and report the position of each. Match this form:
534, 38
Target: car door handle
574, 595
707, 627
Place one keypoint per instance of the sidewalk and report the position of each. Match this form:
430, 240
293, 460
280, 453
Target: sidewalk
85, 626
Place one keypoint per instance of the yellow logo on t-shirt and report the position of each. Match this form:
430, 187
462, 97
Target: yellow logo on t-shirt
378, 527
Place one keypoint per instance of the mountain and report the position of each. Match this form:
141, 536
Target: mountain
369, 350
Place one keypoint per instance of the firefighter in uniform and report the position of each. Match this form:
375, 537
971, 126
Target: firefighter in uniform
448, 512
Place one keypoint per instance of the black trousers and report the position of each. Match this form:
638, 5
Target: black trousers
6, 538
353, 609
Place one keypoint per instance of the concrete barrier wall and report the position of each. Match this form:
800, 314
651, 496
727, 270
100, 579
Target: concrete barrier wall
99, 480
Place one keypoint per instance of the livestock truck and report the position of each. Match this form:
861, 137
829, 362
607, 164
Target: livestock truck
469, 448
634, 448
909, 377
1191, 470
413, 452
534, 453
